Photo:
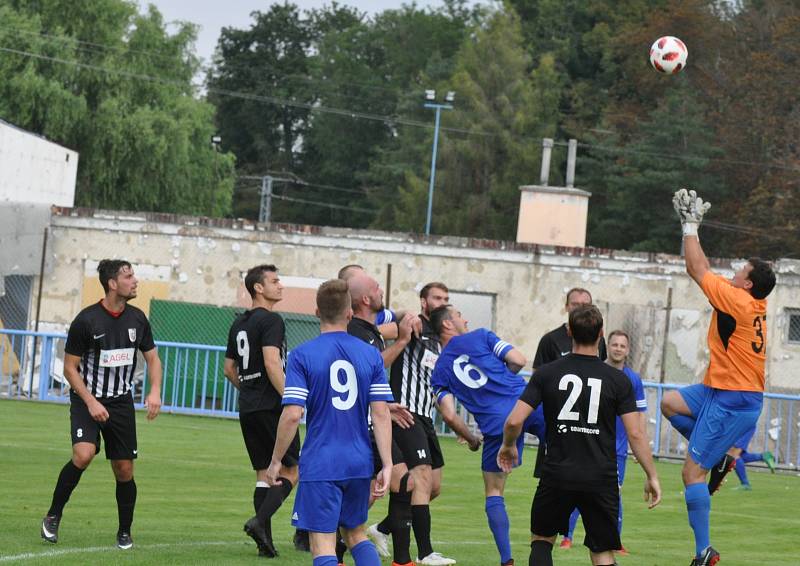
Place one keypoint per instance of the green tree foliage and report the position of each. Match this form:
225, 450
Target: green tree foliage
112, 84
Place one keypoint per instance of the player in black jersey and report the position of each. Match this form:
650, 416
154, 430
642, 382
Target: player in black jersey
411, 386
99, 364
367, 298
255, 361
581, 397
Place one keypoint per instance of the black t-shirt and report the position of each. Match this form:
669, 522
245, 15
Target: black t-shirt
250, 332
581, 398
367, 331
107, 347
557, 344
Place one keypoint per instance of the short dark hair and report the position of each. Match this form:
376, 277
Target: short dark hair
585, 324
423, 294
619, 333
333, 300
344, 273
762, 277
577, 290
439, 315
256, 275
109, 269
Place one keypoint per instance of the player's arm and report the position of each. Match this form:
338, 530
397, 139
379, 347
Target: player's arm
446, 405
274, 367
391, 353
287, 428
696, 261
154, 371
641, 449
96, 409
382, 427
231, 371
507, 456
515, 360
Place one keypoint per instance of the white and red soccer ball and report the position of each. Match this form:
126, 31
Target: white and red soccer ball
668, 55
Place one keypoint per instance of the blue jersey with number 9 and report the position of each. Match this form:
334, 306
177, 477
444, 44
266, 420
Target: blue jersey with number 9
335, 377
471, 368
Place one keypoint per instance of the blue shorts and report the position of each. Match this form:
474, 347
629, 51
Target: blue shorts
534, 424
322, 506
722, 416
745, 439
622, 462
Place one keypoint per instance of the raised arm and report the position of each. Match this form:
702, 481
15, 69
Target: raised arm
515, 360
447, 407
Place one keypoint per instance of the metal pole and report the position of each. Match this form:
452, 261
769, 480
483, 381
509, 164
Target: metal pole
433, 171
39, 310
265, 210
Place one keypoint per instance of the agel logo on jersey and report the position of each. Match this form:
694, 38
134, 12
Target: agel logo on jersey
117, 358
132, 334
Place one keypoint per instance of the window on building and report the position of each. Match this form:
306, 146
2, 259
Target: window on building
477, 308
793, 332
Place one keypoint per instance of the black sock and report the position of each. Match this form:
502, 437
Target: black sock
341, 547
400, 511
275, 496
126, 501
385, 526
259, 494
421, 521
541, 553
68, 478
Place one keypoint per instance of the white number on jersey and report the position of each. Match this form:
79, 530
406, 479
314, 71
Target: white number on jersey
595, 385
243, 347
462, 369
349, 389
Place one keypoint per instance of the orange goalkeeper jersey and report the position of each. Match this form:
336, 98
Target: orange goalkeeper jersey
737, 337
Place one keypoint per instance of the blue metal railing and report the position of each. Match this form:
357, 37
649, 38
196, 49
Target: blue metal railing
193, 383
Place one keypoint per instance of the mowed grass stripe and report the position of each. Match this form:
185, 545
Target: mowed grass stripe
195, 492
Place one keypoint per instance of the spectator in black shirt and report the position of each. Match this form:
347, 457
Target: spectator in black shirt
581, 397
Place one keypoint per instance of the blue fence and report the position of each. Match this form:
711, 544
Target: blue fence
193, 383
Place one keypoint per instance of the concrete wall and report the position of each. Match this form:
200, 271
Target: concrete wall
34, 170
554, 216
201, 260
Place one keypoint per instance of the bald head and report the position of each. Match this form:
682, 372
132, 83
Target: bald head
365, 293
349, 271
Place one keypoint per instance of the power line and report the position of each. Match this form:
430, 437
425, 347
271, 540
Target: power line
325, 204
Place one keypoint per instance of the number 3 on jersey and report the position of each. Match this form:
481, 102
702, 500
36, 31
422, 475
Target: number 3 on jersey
348, 391
576, 384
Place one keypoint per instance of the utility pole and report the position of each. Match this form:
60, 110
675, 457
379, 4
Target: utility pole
430, 96
265, 210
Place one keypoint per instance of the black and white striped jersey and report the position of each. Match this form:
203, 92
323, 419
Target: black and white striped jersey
107, 342
411, 372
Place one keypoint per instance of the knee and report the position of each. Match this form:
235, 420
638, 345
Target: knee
436, 489
422, 476
669, 403
693, 473
123, 470
83, 456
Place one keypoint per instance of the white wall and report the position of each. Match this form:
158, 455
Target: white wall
34, 170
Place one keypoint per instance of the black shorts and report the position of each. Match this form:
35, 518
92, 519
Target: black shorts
259, 429
599, 508
377, 463
419, 443
118, 432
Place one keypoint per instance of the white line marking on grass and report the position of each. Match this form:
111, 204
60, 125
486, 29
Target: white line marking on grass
110, 548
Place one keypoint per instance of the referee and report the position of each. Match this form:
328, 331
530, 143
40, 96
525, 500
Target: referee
99, 364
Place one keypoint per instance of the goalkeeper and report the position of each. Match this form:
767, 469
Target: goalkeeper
712, 415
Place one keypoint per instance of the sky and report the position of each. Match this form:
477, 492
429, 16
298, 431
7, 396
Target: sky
212, 16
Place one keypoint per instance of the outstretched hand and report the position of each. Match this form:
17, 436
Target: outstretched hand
690, 208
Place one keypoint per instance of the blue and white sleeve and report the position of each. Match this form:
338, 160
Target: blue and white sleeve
296, 390
379, 389
638, 392
499, 347
385, 316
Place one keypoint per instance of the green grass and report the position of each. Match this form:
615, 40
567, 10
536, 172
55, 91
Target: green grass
195, 492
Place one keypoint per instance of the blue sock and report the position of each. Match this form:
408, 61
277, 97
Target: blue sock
573, 520
741, 472
325, 561
698, 504
498, 524
364, 554
751, 457
683, 424
619, 516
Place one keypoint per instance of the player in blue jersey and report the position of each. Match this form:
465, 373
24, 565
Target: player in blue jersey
618, 349
337, 379
480, 370
743, 457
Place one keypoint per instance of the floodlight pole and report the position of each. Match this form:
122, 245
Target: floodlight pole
438, 108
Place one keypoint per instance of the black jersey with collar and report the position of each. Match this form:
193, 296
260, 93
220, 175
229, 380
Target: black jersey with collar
556, 344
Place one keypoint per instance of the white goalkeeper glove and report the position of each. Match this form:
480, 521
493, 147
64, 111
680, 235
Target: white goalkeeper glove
691, 209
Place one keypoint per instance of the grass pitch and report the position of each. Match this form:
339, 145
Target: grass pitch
195, 492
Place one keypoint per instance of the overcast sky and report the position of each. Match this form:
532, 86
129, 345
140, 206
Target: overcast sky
213, 16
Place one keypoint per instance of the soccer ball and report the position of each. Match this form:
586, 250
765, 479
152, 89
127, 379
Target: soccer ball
668, 55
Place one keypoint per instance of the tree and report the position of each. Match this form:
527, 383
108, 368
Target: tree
115, 86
